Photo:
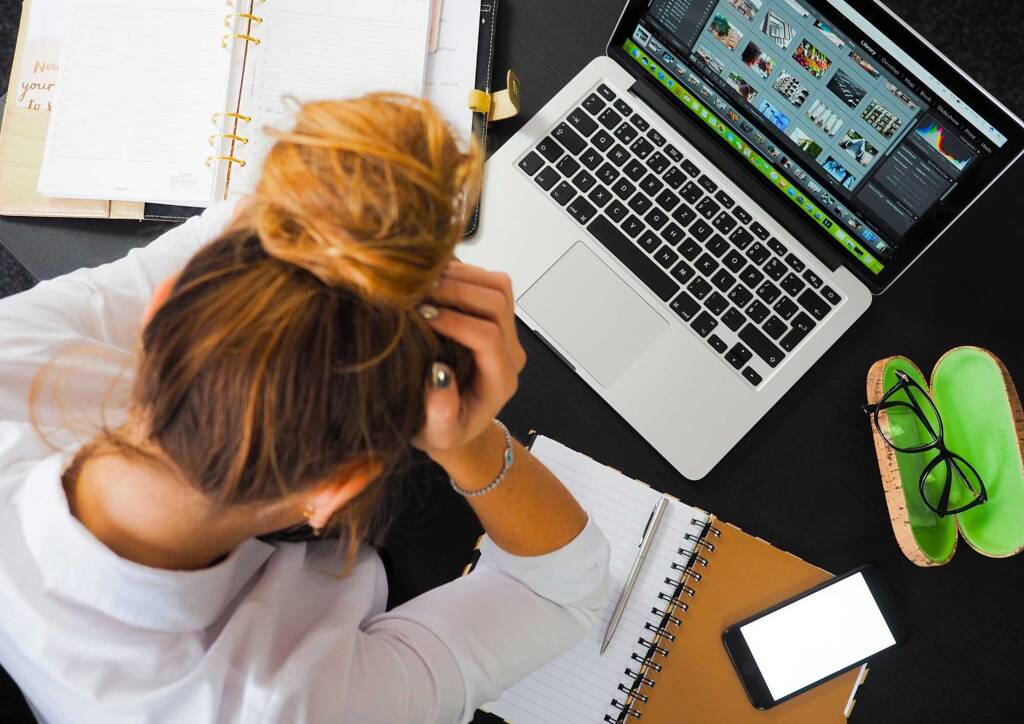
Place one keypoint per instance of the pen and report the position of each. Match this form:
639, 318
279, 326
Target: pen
645, 545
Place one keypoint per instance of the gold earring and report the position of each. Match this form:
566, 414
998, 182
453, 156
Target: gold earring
308, 514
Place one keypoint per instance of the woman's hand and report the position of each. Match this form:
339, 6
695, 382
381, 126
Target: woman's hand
475, 308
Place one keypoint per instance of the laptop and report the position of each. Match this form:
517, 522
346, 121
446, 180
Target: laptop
704, 210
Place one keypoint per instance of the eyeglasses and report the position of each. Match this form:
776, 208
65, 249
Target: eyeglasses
915, 426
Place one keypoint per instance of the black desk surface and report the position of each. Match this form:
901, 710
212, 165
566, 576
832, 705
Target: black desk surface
805, 478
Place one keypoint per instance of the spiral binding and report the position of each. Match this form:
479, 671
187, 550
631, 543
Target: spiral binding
217, 119
659, 631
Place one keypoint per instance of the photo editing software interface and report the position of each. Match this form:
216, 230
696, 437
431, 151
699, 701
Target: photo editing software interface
852, 130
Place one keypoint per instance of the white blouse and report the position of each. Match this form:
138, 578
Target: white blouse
270, 634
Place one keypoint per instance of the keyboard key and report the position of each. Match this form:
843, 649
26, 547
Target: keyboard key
622, 107
640, 203
831, 295
685, 306
600, 195
774, 327
584, 181
734, 261
699, 287
616, 211
768, 292
716, 303
795, 263
569, 138
633, 258
591, 159
751, 276
634, 169
550, 150
651, 184
709, 185
547, 178
609, 118
762, 346
751, 376
581, 210
632, 226
593, 104
683, 272
738, 356
813, 303
742, 215
690, 248
618, 155
675, 178
723, 280
602, 140
797, 331
707, 265
813, 279
666, 257
642, 148
567, 166
803, 322
775, 269
758, 253
785, 307
667, 200
704, 324
648, 241
724, 199
690, 167
701, 230
708, 207
656, 219
777, 246
684, 215
623, 188
792, 284
691, 192
531, 163
759, 231
656, 138
608, 173
741, 238
717, 245
717, 344
757, 311
673, 153
658, 163
672, 234
582, 122
563, 193
733, 319
640, 122
625, 133
606, 92
740, 296
724, 222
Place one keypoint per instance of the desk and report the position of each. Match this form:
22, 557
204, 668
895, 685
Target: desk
805, 478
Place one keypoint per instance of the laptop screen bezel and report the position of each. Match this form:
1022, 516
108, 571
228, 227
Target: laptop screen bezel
928, 229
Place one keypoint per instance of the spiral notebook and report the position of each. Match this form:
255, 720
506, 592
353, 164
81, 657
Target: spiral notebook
666, 662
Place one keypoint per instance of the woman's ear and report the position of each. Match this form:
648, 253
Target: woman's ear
159, 297
332, 495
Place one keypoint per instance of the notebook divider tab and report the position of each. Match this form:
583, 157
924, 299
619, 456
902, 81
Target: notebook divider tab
659, 635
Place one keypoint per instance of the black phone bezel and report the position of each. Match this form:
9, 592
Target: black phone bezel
747, 669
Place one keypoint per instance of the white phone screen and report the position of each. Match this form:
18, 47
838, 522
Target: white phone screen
817, 636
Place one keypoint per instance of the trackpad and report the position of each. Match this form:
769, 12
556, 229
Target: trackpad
593, 314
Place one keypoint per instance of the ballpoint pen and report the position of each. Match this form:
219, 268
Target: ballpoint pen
645, 545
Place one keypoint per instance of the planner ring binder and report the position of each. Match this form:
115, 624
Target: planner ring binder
226, 159
240, 36
248, 16
633, 689
236, 116
229, 136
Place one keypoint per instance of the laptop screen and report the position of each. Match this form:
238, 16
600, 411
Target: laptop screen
838, 118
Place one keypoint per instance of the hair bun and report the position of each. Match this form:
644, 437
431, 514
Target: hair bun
372, 193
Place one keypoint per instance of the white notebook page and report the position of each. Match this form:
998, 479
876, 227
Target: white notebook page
579, 686
140, 80
325, 49
451, 69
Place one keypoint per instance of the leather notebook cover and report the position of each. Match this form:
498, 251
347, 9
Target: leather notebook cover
698, 682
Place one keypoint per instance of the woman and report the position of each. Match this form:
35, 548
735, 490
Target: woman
293, 348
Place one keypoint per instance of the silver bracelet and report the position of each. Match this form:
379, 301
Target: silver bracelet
506, 465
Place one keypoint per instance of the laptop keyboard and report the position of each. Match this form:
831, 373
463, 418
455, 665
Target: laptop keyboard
741, 290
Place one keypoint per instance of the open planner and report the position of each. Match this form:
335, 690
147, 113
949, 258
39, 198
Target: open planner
666, 662
164, 100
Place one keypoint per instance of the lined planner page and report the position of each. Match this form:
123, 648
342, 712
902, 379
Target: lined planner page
578, 687
451, 69
324, 49
140, 80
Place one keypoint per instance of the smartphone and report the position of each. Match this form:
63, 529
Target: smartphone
815, 636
